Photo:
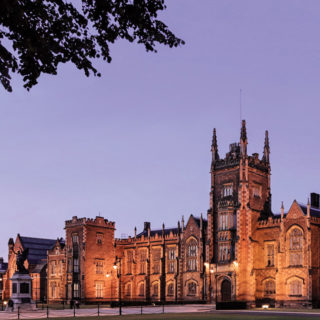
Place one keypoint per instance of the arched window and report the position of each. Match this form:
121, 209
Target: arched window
295, 248
141, 290
269, 287
128, 290
170, 289
192, 289
192, 253
155, 289
295, 288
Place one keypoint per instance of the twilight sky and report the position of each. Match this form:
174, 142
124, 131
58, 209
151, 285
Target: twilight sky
134, 145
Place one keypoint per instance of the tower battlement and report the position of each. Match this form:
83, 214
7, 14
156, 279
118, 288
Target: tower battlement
97, 221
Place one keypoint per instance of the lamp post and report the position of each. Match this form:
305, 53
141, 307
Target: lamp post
216, 276
108, 276
235, 265
210, 284
118, 268
205, 287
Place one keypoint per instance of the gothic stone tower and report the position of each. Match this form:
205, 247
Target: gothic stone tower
240, 195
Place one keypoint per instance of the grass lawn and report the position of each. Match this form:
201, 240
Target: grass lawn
195, 316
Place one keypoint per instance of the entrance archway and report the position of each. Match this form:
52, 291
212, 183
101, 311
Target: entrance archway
226, 290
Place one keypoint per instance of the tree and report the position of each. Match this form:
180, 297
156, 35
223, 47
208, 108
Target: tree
37, 35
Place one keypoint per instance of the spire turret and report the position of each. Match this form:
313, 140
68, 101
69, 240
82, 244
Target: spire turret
243, 139
214, 147
266, 149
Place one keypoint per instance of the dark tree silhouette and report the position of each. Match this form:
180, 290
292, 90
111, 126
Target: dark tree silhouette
37, 35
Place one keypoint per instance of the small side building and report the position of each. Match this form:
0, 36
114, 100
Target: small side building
36, 264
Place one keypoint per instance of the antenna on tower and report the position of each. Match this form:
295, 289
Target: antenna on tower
240, 106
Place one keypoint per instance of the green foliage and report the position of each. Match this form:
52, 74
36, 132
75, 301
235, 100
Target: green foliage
37, 35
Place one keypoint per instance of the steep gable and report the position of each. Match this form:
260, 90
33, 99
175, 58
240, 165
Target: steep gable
295, 211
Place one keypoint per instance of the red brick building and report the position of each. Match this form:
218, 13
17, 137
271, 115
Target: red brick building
241, 252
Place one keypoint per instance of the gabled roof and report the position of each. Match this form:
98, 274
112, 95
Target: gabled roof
314, 212
37, 248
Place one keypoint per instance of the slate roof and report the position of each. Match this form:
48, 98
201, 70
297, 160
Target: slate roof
314, 212
168, 230
159, 232
37, 248
3, 267
38, 267
197, 220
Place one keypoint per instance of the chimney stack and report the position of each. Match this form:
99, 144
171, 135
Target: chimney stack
146, 226
315, 200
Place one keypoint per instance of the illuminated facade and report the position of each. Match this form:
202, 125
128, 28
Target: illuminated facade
241, 252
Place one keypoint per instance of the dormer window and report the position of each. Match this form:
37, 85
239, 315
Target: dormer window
227, 190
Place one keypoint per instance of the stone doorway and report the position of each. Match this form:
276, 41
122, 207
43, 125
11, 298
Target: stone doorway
226, 290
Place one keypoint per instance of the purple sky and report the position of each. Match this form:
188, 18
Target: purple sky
135, 144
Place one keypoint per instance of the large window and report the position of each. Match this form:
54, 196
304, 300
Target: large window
155, 290
295, 288
75, 238
171, 260
224, 252
227, 190
192, 289
53, 267
270, 255
296, 246
156, 259
76, 291
75, 265
170, 289
192, 253
269, 287
223, 221
143, 260
129, 261
99, 267
128, 290
141, 290
99, 289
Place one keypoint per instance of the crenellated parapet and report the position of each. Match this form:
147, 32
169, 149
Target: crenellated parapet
228, 202
232, 158
315, 220
97, 221
270, 222
255, 162
157, 235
